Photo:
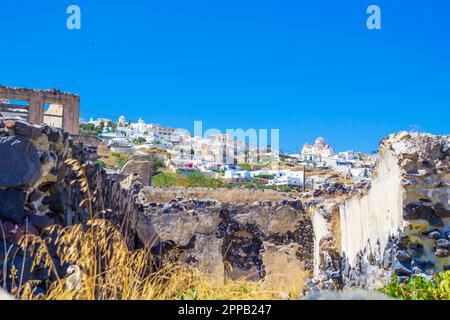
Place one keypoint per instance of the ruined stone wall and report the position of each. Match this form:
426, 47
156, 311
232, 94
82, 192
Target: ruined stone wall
269, 241
68, 116
36, 191
263, 240
401, 226
225, 195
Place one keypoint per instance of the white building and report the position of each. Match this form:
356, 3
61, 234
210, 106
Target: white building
120, 145
349, 155
316, 152
288, 178
237, 175
344, 167
122, 121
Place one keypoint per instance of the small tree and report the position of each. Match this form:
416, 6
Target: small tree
139, 141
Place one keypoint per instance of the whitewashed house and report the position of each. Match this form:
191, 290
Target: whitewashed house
288, 178
237, 175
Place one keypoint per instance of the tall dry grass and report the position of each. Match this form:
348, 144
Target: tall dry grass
101, 267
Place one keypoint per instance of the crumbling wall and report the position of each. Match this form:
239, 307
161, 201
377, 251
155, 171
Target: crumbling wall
401, 226
141, 164
265, 240
36, 191
165, 194
268, 241
68, 115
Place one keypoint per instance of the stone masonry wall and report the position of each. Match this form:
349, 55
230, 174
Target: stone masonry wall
36, 191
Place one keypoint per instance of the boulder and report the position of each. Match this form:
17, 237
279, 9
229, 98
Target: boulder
12, 205
10, 232
141, 167
19, 162
27, 130
415, 211
443, 243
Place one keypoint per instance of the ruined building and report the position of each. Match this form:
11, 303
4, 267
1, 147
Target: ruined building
52, 107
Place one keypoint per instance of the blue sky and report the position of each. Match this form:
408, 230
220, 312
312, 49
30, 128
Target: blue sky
307, 68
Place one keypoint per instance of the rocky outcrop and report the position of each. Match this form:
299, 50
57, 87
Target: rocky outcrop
141, 164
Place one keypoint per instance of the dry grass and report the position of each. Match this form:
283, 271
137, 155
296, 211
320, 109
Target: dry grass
220, 194
101, 267
112, 160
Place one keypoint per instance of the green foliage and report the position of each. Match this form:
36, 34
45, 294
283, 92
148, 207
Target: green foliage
198, 179
166, 180
121, 159
121, 162
421, 288
139, 141
246, 166
193, 179
101, 163
88, 129
157, 164
87, 126
266, 176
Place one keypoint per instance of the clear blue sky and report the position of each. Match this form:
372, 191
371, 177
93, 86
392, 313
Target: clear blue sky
308, 68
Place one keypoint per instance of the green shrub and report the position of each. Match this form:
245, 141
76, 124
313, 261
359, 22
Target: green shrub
421, 288
165, 180
157, 164
193, 179
101, 163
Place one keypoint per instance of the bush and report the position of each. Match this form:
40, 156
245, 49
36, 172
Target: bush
139, 141
157, 164
101, 163
121, 159
421, 288
194, 179
166, 180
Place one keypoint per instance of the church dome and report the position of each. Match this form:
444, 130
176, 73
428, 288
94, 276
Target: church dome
320, 141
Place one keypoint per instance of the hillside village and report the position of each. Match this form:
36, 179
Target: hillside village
222, 157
